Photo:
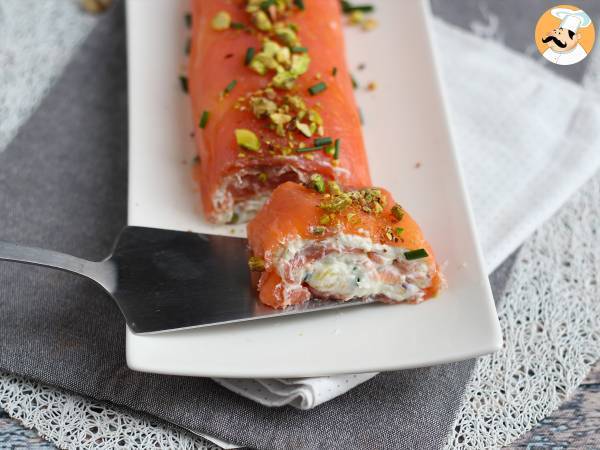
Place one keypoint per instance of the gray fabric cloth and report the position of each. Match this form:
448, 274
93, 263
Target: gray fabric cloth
63, 186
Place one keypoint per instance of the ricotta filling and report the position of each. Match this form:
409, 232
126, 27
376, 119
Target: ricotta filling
347, 266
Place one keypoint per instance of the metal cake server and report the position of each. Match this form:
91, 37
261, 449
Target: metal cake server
166, 280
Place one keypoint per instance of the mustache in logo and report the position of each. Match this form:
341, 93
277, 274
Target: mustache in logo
556, 41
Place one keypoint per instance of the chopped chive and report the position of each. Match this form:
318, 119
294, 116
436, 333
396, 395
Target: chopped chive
310, 149
416, 254
267, 4
188, 46
237, 25
299, 49
348, 8
399, 230
249, 55
299, 4
336, 152
230, 87
361, 117
320, 142
184, 83
334, 71
354, 82
317, 88
204, 119
188, 20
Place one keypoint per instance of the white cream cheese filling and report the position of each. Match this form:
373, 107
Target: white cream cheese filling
351, 266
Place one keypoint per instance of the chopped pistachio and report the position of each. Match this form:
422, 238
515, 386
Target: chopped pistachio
304, 128
270, 93
399, 230
280, 119
318, 183
247, 139
284, 56
397, 212
334, 188
262, 106
315, 117
221, 21
336, 203
256, 264
369, 24
261, 20
296, 102
356, 17
388, 234
258, 66
234, 219
284, 80
318, 230
377, 208
286, 151
286, 35
300, 64
263, 177
325, 220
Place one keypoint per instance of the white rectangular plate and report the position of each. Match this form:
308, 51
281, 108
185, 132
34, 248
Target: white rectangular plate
411, 154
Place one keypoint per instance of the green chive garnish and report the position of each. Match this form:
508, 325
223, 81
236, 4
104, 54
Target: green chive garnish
416, 254
310, 149
348, 7
188, 20
336, 152
354, 82
249, 55
230, 87
299, 49
299, 4
184, 83
204, 119
237, 26
334, 71
320, 142
267, 4
317, 88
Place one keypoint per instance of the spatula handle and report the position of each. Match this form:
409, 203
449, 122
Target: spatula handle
103, 272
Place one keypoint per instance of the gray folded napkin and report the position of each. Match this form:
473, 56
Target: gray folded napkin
63, 186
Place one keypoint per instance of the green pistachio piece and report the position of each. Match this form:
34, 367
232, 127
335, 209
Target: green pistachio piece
261, 20
262, 106
247, 139
221, 21
256, 264
284, 80
304, 129
318, 183
300, 64
296, 102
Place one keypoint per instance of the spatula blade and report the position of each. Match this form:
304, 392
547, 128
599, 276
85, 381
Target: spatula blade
172, 280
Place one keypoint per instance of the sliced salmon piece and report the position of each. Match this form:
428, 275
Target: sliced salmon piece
231, 178
359, 250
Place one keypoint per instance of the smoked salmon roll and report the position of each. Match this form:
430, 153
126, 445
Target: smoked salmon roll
327, 243
273, 101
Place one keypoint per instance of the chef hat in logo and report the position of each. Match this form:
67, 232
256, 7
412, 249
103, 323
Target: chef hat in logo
572, 20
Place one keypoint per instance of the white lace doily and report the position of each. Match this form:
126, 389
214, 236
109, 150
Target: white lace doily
550, 317
73, 422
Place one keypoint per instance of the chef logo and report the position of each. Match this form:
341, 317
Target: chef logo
565, 35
